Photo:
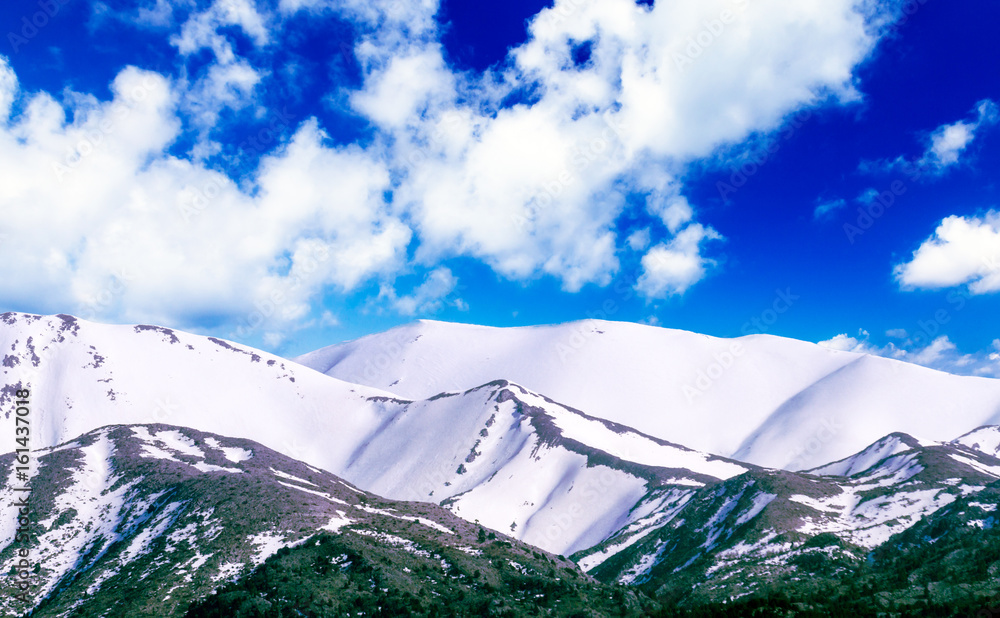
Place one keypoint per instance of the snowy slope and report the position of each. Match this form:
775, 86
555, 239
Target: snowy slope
767, 400
84, 375
855, 464
985, 440
517, 462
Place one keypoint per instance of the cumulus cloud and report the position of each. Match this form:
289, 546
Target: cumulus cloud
638, 240
101, 221
949, 141
537, 187
527, 167
964, 251
670, 269
230, 80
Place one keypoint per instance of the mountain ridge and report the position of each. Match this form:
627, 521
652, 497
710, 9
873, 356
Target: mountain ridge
755, 398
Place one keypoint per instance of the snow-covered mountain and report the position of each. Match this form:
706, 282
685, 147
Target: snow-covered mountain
983, 439
629, 506
766, 400
518, 462
497, 453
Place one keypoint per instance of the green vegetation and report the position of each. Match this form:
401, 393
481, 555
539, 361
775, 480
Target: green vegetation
349, 574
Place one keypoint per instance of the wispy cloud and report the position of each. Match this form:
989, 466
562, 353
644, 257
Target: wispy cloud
934, 352
945, 146
826, 209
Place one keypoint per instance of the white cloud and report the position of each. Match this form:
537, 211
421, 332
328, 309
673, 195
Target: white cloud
101, 222
638, 240
825, 209
8, 89
537, 188
674, 212
528, 167
945, 145
670, 269
230, 80
428, 297
962, 251
948, 142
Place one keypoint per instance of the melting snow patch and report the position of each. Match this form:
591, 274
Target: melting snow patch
420, 520
993, 471
176, 441
229, 571
760, 501
207, 467
313, 492
290, 477
642, 567
335, 524
267, 543
404, 544
232, 453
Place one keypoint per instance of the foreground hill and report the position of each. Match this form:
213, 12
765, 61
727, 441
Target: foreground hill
145, 520
765, 400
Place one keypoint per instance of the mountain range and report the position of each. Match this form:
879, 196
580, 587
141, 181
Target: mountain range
171, 468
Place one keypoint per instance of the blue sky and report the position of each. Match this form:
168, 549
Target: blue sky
295, 173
